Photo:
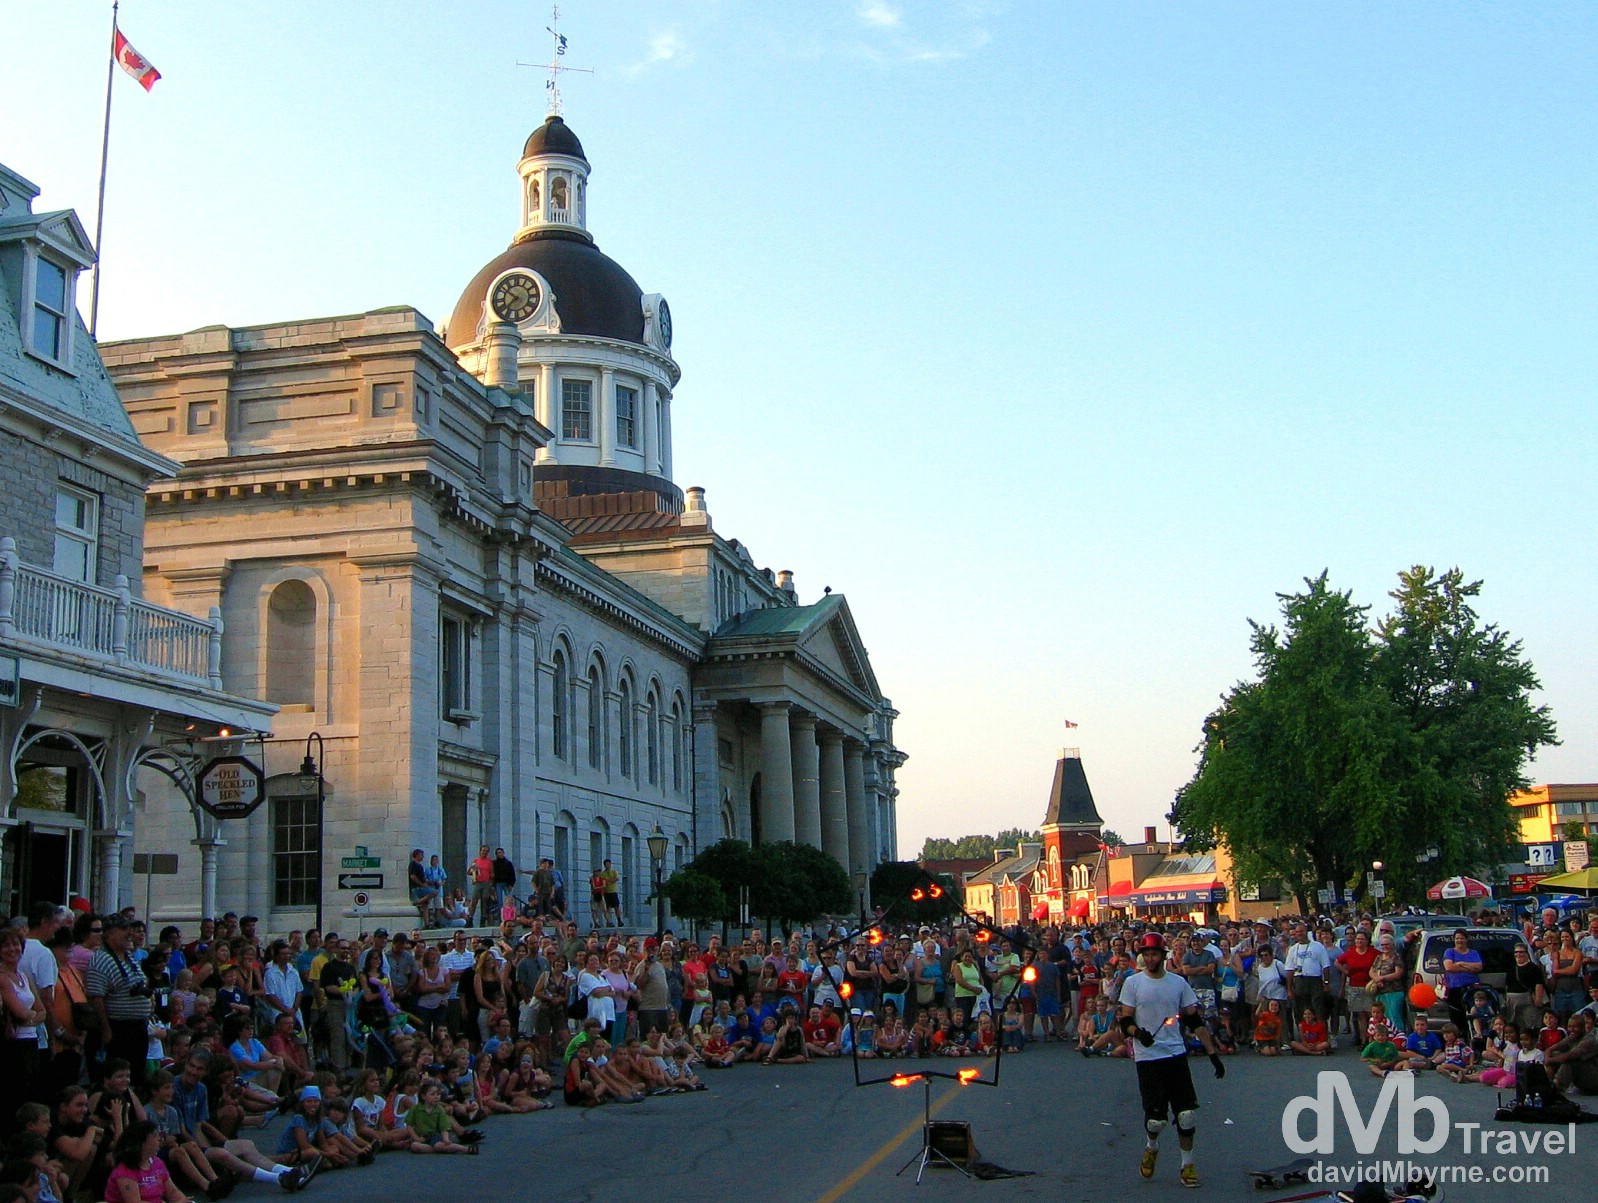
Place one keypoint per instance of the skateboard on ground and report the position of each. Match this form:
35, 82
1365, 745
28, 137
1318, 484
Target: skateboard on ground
1282, 1175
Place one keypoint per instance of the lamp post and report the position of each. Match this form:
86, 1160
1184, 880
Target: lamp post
658, 842
861, 881
313, 768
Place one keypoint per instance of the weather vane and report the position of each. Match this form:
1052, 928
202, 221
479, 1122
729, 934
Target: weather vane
555, 66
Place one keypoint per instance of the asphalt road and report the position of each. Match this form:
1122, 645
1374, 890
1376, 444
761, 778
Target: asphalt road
807, 1133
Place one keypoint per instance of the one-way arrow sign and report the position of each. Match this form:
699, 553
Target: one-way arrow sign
360, 881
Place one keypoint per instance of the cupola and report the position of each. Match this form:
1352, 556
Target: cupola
554, 179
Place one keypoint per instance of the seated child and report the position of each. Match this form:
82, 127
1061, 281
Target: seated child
1457, 1058
1225, 1041
340, 1138
1014, 1032
866, 1035
985, 1040
1268, 1028
1381, 1054
301, 1141
434, 1130
1312, 1039
1481, 1015
1551, 1033
1501, 1074
892, 1038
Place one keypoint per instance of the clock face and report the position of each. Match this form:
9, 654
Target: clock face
663, 319
515, 297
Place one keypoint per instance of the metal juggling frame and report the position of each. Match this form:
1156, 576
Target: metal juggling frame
983, 934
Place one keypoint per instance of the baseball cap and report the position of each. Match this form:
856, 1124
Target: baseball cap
854, 1011
382, 931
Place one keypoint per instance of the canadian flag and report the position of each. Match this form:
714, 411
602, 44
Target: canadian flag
131, 61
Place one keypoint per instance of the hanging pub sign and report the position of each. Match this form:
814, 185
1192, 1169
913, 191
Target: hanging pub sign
230, 787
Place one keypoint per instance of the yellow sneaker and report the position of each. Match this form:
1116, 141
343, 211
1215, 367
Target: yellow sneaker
1146, 1166
1190, 1175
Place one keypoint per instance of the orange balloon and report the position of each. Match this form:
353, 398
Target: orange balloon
1422, 996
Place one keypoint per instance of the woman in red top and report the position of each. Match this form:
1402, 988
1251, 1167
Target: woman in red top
1356, 963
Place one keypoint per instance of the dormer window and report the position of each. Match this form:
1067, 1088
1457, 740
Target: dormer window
49, 329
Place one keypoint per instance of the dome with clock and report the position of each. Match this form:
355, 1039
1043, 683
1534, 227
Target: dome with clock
591, 348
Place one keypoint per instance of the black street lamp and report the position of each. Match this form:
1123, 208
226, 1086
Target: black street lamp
658, 843
313, 768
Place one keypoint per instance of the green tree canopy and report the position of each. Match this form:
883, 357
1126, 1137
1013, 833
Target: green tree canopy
696, 896
1355, 744
967, 846
785, 881
1111, 839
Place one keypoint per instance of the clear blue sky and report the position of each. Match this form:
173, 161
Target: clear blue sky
1059, 336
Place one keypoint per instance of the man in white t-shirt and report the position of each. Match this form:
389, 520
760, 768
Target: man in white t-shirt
1154, 1008
1306, 967
38, 964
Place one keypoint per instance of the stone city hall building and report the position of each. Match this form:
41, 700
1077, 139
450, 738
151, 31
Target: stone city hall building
461, 559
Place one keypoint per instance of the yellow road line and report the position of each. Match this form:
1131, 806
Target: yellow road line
882, 1154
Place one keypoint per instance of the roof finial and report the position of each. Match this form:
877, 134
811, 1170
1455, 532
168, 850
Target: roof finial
555, 66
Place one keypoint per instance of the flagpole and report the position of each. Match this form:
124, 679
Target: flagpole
105, 147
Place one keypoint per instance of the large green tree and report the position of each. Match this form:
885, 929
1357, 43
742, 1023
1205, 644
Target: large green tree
1463, 691
784, 881
1355, 743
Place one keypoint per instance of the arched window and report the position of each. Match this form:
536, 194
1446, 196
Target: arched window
676, 746
652, 737
559, 686
596, 718
558, 204
532, 200
624, 741
291, 645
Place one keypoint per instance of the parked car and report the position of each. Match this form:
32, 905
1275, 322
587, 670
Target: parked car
1406, 922
1424, 958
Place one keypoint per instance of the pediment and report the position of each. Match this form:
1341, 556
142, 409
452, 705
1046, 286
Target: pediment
835, 643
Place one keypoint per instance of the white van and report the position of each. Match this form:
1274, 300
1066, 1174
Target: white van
1423, 957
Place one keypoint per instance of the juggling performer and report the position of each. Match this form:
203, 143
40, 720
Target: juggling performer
1155, 1009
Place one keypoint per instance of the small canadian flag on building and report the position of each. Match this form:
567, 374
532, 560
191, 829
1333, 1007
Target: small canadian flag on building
131, 61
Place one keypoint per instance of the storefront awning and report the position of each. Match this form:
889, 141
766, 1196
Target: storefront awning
1079, 908
1180, 891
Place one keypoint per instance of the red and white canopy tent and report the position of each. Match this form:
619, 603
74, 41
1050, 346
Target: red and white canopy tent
1458, 889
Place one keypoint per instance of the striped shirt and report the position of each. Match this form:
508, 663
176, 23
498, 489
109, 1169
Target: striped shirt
111, 978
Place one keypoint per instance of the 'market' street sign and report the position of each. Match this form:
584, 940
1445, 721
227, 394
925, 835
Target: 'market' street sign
230, 787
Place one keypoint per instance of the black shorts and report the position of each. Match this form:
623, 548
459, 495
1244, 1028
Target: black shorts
613, 901
1166, 1087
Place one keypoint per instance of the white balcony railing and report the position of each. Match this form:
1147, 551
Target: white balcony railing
108, 623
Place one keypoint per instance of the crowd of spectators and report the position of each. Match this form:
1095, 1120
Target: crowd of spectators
137, 1067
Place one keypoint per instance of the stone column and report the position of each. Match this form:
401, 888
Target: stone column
861, 846
108, 897
835, 833
547, 406
806, 778
665, 436
776, 774
605, 417
651, 430
704, 780
209, 848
